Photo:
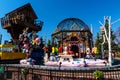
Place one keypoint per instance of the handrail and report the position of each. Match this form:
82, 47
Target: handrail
58, 73
62, 68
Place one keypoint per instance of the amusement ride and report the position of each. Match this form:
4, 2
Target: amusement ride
23, 26
72, 35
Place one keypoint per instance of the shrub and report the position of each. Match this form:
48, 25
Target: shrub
98, 74
24, 71
118, 55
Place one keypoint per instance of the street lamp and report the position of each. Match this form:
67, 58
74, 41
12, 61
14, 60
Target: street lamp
108, 37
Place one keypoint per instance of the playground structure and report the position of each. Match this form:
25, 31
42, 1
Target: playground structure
17, 20
19, 23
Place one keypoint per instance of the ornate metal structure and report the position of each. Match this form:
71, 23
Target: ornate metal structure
75, 34
19, 19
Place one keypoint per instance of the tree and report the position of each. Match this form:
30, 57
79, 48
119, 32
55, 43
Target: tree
99, 40
117, 39
49, 46
117, 34
114, 46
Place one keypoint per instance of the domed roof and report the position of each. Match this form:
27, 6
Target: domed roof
71, 24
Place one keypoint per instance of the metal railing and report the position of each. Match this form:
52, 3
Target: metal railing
36, 72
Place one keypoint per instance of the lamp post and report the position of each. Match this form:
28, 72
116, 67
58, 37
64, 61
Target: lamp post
108, 37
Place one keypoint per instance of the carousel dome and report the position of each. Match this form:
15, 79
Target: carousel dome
71, 24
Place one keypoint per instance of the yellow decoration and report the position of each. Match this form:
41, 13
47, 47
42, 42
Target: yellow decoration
53, 50
33, 41
95, 50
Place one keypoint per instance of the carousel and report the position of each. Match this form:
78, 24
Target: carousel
74, 34
74, 40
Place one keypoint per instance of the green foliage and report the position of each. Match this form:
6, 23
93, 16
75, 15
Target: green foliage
41, 39
117, 54
24, 71
98, 43
99, 40
1, 69
49, 43
49, 46
114, 46
98, 74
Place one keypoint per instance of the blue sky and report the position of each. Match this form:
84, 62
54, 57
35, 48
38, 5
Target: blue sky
52, 12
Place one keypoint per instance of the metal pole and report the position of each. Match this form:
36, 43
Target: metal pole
109, 43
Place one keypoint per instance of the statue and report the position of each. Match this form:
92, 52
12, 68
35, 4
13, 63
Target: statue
65, 52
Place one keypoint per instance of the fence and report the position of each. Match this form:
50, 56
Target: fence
35, 72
